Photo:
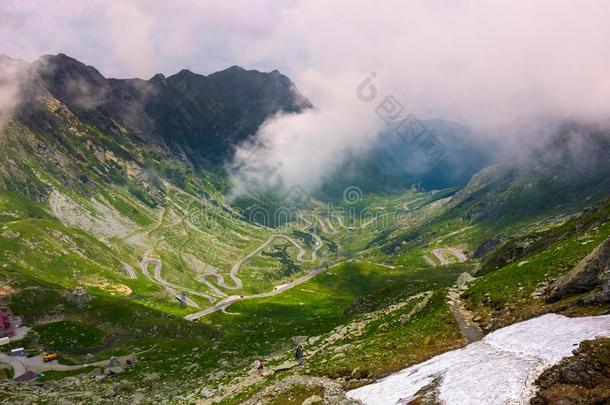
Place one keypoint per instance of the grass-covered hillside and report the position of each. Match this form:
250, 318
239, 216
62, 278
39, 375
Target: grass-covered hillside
117, 240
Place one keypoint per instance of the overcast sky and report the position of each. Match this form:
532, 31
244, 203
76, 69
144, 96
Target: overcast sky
455, 57
482, 63
139, 37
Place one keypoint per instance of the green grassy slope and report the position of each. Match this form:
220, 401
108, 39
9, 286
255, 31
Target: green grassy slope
79, 206
517, 272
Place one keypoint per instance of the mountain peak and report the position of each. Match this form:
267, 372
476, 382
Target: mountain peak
158, 78
187, 74
181, 110
62, 67
61, 59
235, 68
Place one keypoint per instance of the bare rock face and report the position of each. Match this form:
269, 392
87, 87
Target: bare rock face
590, 274
298, 340
314, 399
581, 379
464, 279
486, 247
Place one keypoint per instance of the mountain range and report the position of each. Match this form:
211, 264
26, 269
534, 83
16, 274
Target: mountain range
117, 239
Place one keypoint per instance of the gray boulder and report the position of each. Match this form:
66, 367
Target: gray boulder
464, 279
298, 340
314, 399
207, 392
590, 273
114, 370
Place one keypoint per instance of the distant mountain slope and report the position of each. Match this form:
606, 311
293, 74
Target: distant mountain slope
103, 185
395, 162
562, 176
566, 173
85, 132
202, 116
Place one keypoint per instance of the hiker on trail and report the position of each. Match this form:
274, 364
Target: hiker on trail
298, 354
260, 366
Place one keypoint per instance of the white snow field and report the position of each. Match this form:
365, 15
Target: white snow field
500, 369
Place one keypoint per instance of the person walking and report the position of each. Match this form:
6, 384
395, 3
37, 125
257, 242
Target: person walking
260, 367
298, 354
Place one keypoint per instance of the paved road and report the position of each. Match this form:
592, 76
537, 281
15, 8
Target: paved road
38, 365
129, 271
16, 363
235, 269
171, 288
237, 265
219, 279
452, 251
317, 246
378, 217
318, 240
21, 365
234, 298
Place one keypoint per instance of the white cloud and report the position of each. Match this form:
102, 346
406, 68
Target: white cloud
137, 38
490, 65
10, 82
486, 64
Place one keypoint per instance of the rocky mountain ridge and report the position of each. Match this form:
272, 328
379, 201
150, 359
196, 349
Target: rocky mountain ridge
204, 117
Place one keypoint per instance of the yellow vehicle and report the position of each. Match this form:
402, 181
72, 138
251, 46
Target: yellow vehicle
49, 357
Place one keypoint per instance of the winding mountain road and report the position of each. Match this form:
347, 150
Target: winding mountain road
318, 243
15, 362
235, 298
438, 253
238, 264
317, 246
169, 287
22, 365
174, 289
219, 279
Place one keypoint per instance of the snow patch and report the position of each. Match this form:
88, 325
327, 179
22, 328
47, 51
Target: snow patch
500, 369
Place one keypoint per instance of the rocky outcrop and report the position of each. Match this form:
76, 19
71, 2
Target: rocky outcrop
333, 393
581, 379
591, 274
464, 279
204, 116
486, 247
518, 249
